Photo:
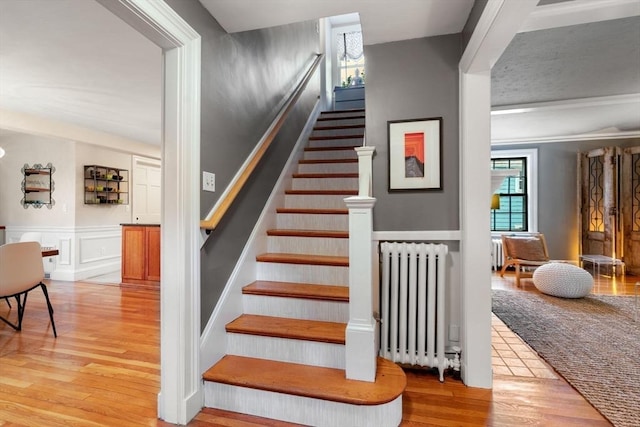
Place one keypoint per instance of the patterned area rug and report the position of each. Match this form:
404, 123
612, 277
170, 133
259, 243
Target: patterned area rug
592, 342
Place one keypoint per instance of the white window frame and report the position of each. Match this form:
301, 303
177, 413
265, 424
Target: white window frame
531, 156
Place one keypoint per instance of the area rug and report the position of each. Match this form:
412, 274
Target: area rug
592, 342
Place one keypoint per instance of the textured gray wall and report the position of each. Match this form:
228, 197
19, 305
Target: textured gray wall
414, 79
245, 77
557, 191
595, 59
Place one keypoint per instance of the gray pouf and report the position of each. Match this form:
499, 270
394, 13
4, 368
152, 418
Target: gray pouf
562, 280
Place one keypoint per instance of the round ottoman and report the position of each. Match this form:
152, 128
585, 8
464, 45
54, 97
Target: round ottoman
562, 280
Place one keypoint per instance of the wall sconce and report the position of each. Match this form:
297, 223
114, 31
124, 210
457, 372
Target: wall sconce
1, 153
495, 201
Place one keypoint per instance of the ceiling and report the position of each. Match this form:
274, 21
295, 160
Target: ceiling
72, 61
75, 62
381, 20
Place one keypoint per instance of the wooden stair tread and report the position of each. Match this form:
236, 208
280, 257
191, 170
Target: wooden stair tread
285, 258
326, 119
298, 290
333, 148
282, 327
314, 161
326, 175
339, 127
336, 234
304, 211
323, 192
309, 381
327, 137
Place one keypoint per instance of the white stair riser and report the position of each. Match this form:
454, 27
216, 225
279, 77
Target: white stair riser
344, 113
328, 168
287, 350
312, 201
296, 308
313, 221
324, 184
349, 142
342, 122
301, 410
330, 154
303, 273
352, 142
333, 246
337, 132
308, 245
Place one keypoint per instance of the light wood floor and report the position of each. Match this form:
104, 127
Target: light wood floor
103, 370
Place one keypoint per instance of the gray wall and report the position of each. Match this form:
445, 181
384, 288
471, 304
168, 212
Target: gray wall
472, 21
245, 77
414, 79
557, 191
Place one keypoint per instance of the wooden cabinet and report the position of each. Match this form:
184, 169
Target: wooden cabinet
141, 255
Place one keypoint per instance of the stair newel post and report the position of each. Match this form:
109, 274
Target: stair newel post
361, 341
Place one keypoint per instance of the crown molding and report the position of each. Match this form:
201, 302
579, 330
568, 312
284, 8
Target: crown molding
568, 138
566, 104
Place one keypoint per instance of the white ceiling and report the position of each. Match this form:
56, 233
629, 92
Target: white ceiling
72, 61
75, 62
382, 20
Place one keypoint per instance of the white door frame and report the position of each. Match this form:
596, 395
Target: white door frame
180, 397
498, 24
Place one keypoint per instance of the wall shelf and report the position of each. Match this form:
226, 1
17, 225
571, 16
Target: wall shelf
37, 186
104, 185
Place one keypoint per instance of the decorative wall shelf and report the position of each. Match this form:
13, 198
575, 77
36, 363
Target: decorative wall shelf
37, 186
104, 185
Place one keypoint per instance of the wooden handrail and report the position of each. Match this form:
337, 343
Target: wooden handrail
233, 189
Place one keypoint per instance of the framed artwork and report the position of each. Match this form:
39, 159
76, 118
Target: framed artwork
415, 148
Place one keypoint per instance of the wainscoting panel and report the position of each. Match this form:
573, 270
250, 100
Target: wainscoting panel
84, 251
99, 248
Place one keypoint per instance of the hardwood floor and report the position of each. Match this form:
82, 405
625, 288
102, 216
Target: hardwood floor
103, 370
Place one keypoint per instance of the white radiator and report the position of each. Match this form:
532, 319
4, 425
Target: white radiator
412, 302
496, 254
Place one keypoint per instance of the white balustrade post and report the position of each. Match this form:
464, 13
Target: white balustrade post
361, 334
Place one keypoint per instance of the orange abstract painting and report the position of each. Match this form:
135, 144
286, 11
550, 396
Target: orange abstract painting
414, 154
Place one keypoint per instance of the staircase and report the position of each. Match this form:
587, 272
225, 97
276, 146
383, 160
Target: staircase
286, 353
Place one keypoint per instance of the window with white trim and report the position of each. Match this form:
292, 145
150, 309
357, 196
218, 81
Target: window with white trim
350, 56
518, 193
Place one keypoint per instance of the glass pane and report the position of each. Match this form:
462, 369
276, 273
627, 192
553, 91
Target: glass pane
635, 187
596, 194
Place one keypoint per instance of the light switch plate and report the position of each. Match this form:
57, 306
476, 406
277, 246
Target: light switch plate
208, 181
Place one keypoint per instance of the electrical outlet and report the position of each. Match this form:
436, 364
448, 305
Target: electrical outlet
208, 181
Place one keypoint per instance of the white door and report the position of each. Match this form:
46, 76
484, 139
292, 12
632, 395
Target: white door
146, 191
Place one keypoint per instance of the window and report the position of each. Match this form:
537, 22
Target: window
518, 198
350, 56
